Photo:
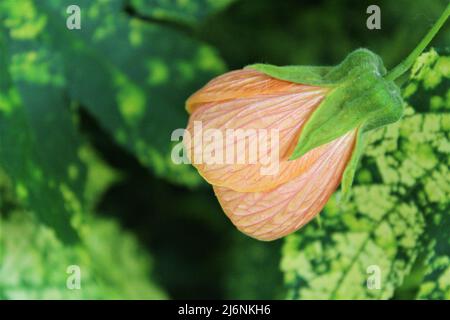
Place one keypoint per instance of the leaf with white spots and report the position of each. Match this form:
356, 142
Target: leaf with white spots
39, 142
42, 151
34, 263
133, 77
397, 219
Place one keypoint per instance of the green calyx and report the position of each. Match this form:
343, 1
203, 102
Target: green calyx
324, 75
359, 98
362, 96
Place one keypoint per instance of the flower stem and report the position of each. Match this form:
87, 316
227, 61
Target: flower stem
409, 61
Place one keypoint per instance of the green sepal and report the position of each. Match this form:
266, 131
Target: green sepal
368, 100
312, 75
350, 169
360, 59
359, 96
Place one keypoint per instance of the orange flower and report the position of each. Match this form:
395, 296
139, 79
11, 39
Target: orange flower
265, 206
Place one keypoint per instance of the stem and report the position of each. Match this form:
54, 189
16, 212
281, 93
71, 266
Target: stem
409, 61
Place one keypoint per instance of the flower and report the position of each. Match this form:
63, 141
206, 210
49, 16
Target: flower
248, 99
267, 206
319, 116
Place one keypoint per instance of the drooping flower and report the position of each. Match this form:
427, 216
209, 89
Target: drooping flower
321, 115
276, 212
248, 99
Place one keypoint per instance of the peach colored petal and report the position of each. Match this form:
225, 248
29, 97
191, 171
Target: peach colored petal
284, 112
240, 84
283, 210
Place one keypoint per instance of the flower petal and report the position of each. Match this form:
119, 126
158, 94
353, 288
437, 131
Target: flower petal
239, 84
276, 213
285, 113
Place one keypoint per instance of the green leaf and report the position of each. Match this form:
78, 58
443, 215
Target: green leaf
436, 282
430, 279
39, 142
135, 89
41, 151
34, 263
333, 262
402, 189
187, 11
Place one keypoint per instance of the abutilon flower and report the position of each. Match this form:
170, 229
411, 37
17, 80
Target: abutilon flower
321, 116
248, 99
320, 113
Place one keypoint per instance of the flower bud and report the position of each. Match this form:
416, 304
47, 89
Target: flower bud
277, 212
249, 102
316, 118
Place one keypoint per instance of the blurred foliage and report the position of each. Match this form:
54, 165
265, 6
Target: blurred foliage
111, 72
35, 265
250, 270
396, 219
85, 172
185, 11
318, 32
32, 104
